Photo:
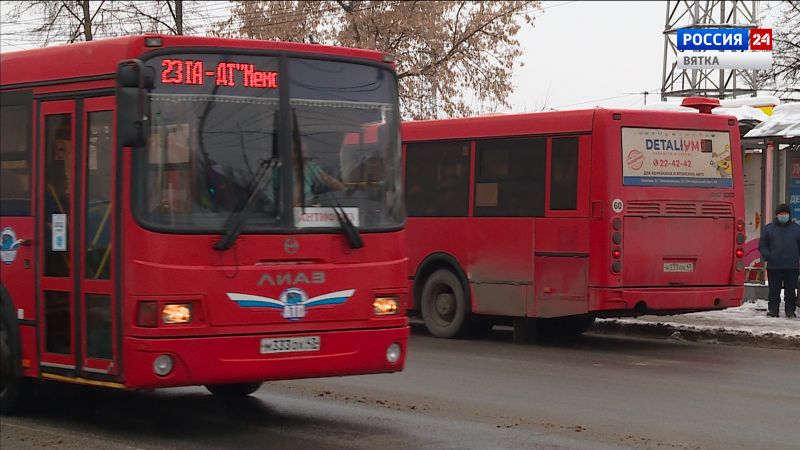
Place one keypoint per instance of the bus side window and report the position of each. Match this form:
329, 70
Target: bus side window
15, 154
510, 177
437, 179
564, 174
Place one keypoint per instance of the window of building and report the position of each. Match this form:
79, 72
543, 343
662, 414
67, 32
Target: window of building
564, 174
510, 177
437, 179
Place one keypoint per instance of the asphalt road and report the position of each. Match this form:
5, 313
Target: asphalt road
594, 392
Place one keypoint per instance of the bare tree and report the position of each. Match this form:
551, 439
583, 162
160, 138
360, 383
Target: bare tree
455, 58
785, 74
71, 21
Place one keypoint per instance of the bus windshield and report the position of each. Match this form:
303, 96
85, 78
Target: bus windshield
213, 146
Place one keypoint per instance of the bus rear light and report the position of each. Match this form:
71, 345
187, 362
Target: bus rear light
384, 306
739, 253
740, 239
616, 224
616, 238
616, 266
147, 314
739, 266
177, 313
616, 253
740, 225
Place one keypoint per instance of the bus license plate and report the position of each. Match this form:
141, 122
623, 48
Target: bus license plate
679, 267
290, 344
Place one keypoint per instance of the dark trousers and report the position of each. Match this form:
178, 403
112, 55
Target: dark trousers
786, 278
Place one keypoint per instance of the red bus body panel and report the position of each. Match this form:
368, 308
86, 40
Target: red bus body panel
560, 264
222, 343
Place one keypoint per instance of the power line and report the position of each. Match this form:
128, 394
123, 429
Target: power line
595, 100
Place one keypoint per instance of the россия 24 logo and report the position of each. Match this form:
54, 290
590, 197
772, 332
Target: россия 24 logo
292, 301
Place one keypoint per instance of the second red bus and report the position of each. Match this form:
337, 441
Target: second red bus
562, 217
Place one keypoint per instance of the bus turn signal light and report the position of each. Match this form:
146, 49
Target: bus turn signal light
616, 253
740, 225
384, 306
739, 253
177, 313
147, 314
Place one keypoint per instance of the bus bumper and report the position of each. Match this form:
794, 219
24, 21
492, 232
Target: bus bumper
238, 359
618, 302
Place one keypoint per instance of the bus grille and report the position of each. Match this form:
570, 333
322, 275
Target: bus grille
669, 208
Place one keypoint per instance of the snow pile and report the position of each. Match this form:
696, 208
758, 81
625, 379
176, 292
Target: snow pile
750, 318
785, 122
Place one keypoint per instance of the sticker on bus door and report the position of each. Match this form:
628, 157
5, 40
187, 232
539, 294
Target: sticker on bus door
59, 232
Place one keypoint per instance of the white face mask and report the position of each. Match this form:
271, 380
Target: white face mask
783, 218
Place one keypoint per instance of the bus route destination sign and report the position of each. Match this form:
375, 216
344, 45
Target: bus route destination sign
676, 158
194, 73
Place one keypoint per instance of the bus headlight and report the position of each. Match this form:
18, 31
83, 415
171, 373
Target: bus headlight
177, 313
383, 306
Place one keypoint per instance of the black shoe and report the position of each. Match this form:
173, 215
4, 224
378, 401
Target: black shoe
791, 315
772, 314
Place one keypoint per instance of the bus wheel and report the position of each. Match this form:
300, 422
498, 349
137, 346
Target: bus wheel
15, 390
444, 305
234, 389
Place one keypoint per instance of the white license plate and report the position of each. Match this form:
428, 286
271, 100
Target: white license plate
290, 344
679, 267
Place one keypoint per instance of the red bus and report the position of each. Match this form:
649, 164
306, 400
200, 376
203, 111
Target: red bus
556, 218
199, 211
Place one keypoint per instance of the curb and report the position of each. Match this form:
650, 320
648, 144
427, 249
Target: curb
691, 334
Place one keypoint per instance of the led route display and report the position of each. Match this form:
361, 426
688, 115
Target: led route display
193, 73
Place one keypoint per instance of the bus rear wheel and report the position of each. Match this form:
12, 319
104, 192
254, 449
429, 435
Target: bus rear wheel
15, 389
233, 390
444, 305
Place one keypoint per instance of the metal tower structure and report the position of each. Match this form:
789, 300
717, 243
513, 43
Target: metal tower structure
721, 83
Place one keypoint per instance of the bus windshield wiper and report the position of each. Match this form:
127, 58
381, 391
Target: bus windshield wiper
348, 229
236, 220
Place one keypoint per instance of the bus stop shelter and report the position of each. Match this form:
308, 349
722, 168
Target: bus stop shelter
770, 179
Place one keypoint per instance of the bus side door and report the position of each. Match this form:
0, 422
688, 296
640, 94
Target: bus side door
77, 310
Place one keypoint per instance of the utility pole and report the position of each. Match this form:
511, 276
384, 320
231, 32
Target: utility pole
179, 16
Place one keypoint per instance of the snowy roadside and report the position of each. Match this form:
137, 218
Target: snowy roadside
745, 324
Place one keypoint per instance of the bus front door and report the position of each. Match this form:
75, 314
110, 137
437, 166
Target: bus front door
77, 309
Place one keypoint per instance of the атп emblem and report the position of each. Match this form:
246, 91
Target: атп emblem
294, 301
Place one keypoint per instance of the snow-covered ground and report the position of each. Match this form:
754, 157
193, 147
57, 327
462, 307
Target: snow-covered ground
748, 319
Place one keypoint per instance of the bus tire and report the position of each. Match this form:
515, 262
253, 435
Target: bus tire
15, 389
233, 390
444, 305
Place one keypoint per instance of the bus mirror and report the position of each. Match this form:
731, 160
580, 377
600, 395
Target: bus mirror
133, 81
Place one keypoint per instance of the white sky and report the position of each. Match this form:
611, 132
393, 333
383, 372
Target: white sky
577, 54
